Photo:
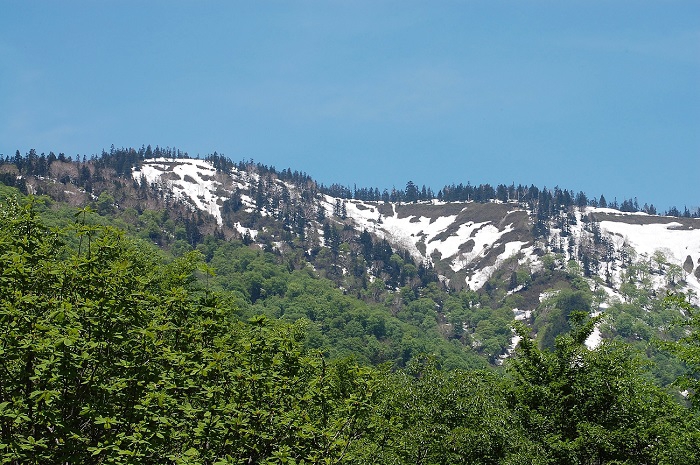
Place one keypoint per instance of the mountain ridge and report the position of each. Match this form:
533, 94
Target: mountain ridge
460, 231
501, 248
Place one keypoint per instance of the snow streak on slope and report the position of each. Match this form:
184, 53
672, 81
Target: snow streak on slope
404, 232
595, 338
449, 247
484, 237
197, 183
479, 278
190, 180
461, 240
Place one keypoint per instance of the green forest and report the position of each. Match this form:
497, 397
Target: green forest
113, 350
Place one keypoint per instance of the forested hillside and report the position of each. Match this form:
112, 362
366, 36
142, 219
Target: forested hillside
113, 353
406, 273
143, 334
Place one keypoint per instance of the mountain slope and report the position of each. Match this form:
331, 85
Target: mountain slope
421, 259
465, 241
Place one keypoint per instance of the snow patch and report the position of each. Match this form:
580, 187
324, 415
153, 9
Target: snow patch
594, 339
646, 239
199, 192
243, 230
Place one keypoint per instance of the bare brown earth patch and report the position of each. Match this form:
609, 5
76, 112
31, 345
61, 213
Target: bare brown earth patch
8, 168
498, 214
458, 279
520, 221
165, 165
428, 210
511, 236
482, 212
444, 234
467, 246
385, 209
221, 192
688, 264
685, 223
170, 176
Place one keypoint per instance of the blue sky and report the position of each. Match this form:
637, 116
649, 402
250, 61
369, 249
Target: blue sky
599, 96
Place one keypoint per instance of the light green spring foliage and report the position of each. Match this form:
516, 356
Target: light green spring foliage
446, 418
340, 324
687, 348
109, 355
594, 406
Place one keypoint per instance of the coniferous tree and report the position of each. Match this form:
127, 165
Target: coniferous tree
602, 203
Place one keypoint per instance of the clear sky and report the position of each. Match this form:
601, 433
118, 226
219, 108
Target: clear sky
599, 96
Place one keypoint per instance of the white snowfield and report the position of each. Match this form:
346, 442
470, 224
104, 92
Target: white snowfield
668, 238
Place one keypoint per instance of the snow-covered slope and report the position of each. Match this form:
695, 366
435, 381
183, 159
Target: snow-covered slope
198, 184
465, 241
659, 240
463, 237
193, 181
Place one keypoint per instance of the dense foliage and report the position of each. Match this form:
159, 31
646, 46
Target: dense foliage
109, 354
215, 349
